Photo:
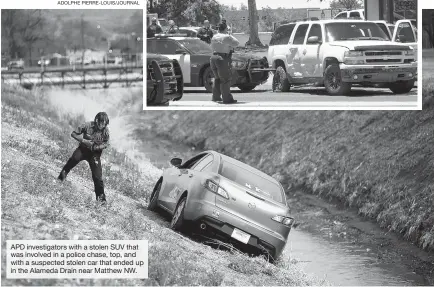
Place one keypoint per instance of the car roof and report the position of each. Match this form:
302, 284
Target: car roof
244, 166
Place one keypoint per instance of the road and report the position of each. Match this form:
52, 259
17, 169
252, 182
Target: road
263, 96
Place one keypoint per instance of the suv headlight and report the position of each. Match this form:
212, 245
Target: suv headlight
239, 64
353, 54
349, 58
409, 53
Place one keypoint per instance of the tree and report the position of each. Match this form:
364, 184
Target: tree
346, 4
253, 25
268, 18
243, 7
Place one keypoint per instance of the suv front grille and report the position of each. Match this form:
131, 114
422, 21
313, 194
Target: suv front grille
387, 53
383, 57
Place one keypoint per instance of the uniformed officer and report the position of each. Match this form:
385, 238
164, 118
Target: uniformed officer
172, 28
153, 29
205, 33
222, 45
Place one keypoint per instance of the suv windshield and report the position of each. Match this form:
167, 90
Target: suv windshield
196, 46
354, 31
255, 183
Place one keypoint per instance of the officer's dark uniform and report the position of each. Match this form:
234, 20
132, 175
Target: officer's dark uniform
100, 139
205, 34
222, 45
153, 29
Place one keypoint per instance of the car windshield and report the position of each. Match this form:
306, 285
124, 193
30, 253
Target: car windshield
354, 31
255, 183
196, 46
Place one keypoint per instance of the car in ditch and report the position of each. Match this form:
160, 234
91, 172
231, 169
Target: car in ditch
194, 56
227, 199
164, 81
338, 54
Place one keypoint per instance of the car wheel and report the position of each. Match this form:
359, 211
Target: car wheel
280, 80
333, 81
402, 87
152, 206
208, 77
246, 88
178, 217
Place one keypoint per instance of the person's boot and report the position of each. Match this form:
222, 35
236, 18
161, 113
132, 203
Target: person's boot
62, 175
101, 198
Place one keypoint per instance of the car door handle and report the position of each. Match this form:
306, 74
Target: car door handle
190, 175
304, 52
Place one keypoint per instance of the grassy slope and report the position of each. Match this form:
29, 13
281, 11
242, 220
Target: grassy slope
379, 162
35, 144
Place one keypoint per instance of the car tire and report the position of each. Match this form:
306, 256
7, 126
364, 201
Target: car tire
153, 206
333, 81
247, 87
177, 222
402, 87
207, 77
280, 80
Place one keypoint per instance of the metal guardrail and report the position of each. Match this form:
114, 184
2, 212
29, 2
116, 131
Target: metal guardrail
82, 76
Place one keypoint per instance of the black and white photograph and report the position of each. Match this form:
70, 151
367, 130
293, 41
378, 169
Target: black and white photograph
99, 189
273, 54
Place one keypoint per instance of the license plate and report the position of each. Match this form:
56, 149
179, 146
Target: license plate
240, 236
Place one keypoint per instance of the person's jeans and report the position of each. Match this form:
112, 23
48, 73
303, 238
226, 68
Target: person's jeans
94, 160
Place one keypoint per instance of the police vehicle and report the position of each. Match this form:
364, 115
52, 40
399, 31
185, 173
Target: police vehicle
194, 56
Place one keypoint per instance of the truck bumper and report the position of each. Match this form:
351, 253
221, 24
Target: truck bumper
378, 73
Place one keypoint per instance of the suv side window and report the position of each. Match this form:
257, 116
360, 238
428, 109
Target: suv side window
300, 34
315, 30
405, 33
205, 162
167, 47
341, 15
281, 35
355, 14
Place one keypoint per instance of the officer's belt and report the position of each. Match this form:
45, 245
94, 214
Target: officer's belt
222, 54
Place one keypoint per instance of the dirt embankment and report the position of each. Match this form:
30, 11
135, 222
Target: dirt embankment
378, 162
35, 145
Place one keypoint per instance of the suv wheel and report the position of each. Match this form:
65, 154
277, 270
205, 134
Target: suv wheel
333, 81
402, 87
208, 77
280, 80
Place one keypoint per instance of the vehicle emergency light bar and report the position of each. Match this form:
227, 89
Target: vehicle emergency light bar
169, 35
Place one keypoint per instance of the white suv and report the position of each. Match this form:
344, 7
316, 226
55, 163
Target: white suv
339, 53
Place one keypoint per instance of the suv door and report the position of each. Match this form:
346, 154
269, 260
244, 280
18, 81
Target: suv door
168, 48
405, 33
310, 59
295, 68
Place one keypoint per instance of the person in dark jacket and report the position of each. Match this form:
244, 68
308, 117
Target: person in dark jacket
205, 33
93, 138
153, 29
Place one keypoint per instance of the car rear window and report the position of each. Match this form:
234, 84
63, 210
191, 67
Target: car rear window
254, 182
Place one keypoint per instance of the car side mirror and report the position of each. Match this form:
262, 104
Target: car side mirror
313, 40
176, 162
180, 51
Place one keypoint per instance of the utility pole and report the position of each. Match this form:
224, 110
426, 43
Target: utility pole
82, 40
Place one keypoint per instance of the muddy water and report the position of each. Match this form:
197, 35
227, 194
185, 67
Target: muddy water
337, 261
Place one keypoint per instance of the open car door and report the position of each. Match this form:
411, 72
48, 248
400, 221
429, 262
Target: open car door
406, 33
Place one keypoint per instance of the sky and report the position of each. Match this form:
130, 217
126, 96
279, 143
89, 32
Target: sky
280, 3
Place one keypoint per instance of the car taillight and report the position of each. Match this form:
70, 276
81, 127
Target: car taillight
288, 221
214, 187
